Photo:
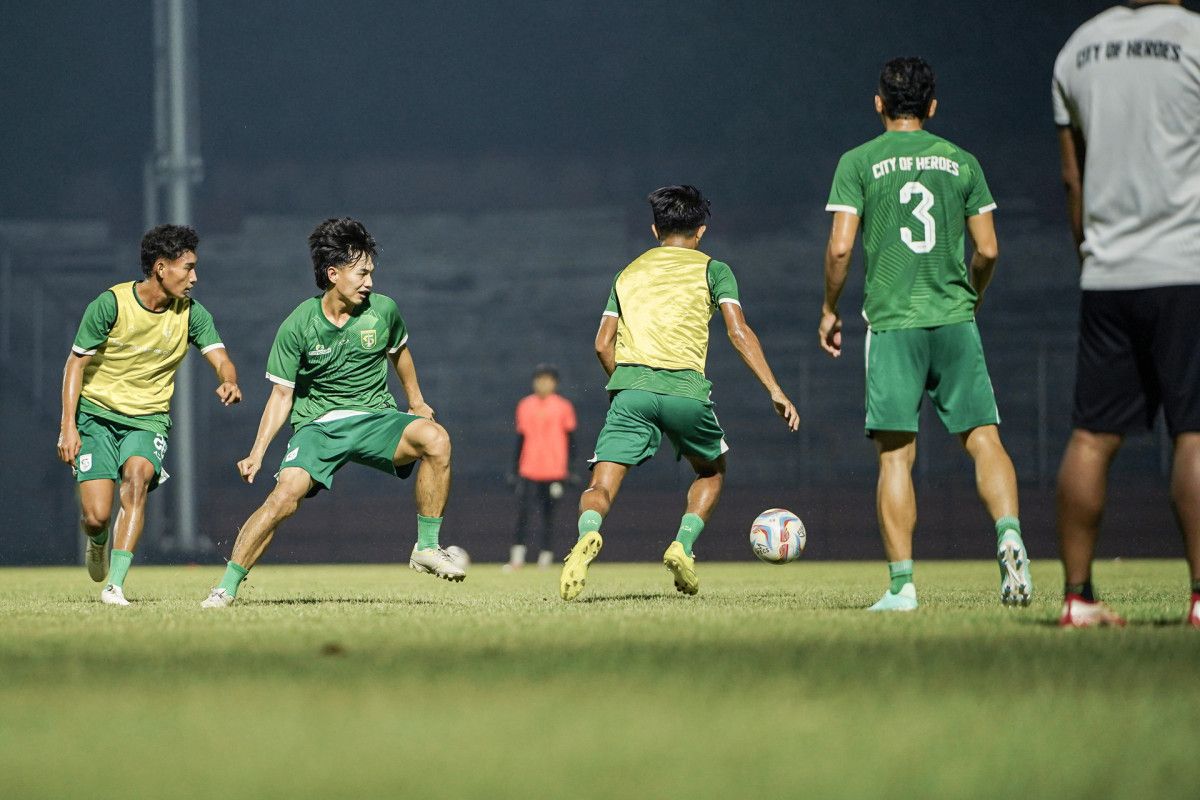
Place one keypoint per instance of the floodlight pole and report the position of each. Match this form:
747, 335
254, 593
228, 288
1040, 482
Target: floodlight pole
170, 174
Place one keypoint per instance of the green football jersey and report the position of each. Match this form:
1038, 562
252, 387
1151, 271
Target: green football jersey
337, 369
913, 192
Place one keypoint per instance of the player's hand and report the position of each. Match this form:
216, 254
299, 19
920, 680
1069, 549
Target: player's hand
830, 333
249, 466
785, 409
422, 410
229, 393
69, 444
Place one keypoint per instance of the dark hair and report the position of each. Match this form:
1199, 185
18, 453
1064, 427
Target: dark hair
906, 87
545, 369
336, 243
678, 209
166, 241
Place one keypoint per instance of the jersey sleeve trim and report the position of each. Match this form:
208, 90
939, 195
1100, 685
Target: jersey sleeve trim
610, 314
399, 347
281, 381
79, 351
732, 300
211, 347
847, 209
986, 209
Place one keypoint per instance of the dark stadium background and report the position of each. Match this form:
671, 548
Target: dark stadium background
500, 153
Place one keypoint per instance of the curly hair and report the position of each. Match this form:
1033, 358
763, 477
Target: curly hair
166, 241
906, 87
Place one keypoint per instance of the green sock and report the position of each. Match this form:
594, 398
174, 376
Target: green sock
1006, 524
427, 532
234, 575
690, 528
119, 562
99, 538
901, 573
589, 521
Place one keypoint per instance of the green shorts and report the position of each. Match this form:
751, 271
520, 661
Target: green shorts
637, 420
322, 448
108, 444
947, 362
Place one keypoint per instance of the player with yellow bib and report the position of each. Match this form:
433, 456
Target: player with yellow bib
653, 343
117, 388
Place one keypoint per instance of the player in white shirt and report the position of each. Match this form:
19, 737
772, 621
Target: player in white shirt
1127, 102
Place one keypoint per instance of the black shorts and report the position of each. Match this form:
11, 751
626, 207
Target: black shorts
1138, 349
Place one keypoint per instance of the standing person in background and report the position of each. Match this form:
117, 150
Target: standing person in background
1126, 96
545, 449
116, 395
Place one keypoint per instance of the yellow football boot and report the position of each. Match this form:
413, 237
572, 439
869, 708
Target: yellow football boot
574, 571
683, 567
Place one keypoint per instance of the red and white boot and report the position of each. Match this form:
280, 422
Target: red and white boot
1194, 611
1080, 613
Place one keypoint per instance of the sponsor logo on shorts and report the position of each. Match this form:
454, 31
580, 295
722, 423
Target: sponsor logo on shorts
367, 338
85, 462
160, 446
291, 456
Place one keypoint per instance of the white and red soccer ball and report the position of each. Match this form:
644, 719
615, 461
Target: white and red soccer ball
777, 536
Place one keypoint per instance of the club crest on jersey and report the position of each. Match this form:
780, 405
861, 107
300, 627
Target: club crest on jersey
367, 338
85, 462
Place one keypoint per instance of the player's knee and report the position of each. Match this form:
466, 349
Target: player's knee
93, 520
435, 445
282, 503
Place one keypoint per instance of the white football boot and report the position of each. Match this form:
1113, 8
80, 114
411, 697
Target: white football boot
435, 562
218, 598
97, 560
1080, 613
113, 596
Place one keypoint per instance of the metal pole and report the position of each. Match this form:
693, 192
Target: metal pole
174, 170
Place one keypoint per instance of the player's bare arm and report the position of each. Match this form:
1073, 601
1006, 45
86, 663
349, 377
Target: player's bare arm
227, 392
1071, 153
606, 343
406, 371
279, 405
842, 233
68, 434
745, 341
982, 230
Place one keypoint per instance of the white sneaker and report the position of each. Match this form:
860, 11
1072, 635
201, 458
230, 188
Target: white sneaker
97, 560
545, 559
436, 562
218, 598
1016, 584
903, 600
113, 596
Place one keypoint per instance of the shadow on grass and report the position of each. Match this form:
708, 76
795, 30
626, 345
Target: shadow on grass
360, 601
1158, 622
616, 598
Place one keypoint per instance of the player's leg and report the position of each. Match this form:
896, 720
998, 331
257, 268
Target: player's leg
896, 508
291, 487
525, 499
897, 365
1185, 498
429, 442
1175, 350
95, 511
548, 494
140, 454
702, 498
996, 482
629, 437
96, 471
1112, 398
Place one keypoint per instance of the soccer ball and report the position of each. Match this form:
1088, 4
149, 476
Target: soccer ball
777, 536
458, 556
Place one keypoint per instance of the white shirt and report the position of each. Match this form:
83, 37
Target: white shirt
1129, 81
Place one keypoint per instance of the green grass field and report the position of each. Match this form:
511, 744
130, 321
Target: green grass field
372, 681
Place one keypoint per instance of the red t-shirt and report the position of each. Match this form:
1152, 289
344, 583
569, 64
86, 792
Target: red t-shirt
545, 423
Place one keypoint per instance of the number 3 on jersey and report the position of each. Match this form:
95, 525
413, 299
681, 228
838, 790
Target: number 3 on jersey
921, 212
